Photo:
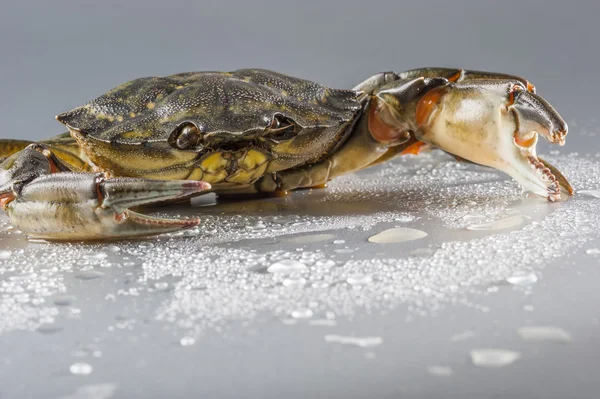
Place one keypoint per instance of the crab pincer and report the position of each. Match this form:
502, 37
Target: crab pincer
45, 202
496, 123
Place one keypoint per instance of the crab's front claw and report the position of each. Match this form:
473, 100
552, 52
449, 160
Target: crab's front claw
83, 206
495, 123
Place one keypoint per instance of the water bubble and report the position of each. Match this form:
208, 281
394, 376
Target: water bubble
48, 329
593, 251
404, 218
493, 357
507, 223
302, 313
161, 285
440, 371
544, 333
325, 263
287, 266
339, 242
322, 322
363, 342
309, 238
522, 278
81, 369
320, 284
187, 341
294, 282
64, 300
359, 279
397, 235
473, 218
89, 275
590, 193
95, 255
344, 251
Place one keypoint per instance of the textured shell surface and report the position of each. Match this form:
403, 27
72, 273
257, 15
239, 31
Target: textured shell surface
243, 102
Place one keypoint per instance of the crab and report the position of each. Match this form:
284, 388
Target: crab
252, 131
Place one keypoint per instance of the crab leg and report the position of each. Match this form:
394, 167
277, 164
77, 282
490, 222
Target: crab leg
46, 202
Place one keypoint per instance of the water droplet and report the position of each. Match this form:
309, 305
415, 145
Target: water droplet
593, 251
363, 342
49, 329
287, 266
4, 254
404, 218
359, 279
320, 284
187, 341
302, 313
80, 369
473, 218
544, 333
522, 278
95, 255
325, 263
294, 282
397, 235
161, 285
422, 252
590, 193
493, 357
322, 322
344, 251
309, 238
507, 223
64, 300
89, 275
113, 248
339, 242
440, 371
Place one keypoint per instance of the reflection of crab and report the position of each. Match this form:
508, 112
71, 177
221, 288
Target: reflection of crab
251, 131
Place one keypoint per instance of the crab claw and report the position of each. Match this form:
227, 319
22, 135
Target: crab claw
495, 123
84, 206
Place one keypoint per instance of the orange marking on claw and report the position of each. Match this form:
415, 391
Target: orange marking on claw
428, 104
511, 95
530, 88
119, 218
379, 129
454, 78
525, 143
413, 149
5, 200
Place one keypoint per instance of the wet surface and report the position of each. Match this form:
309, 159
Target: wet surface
415, 279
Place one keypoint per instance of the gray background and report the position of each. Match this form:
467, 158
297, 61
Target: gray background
57, 55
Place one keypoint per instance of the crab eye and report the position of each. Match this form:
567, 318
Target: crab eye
281, 129
187, 136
